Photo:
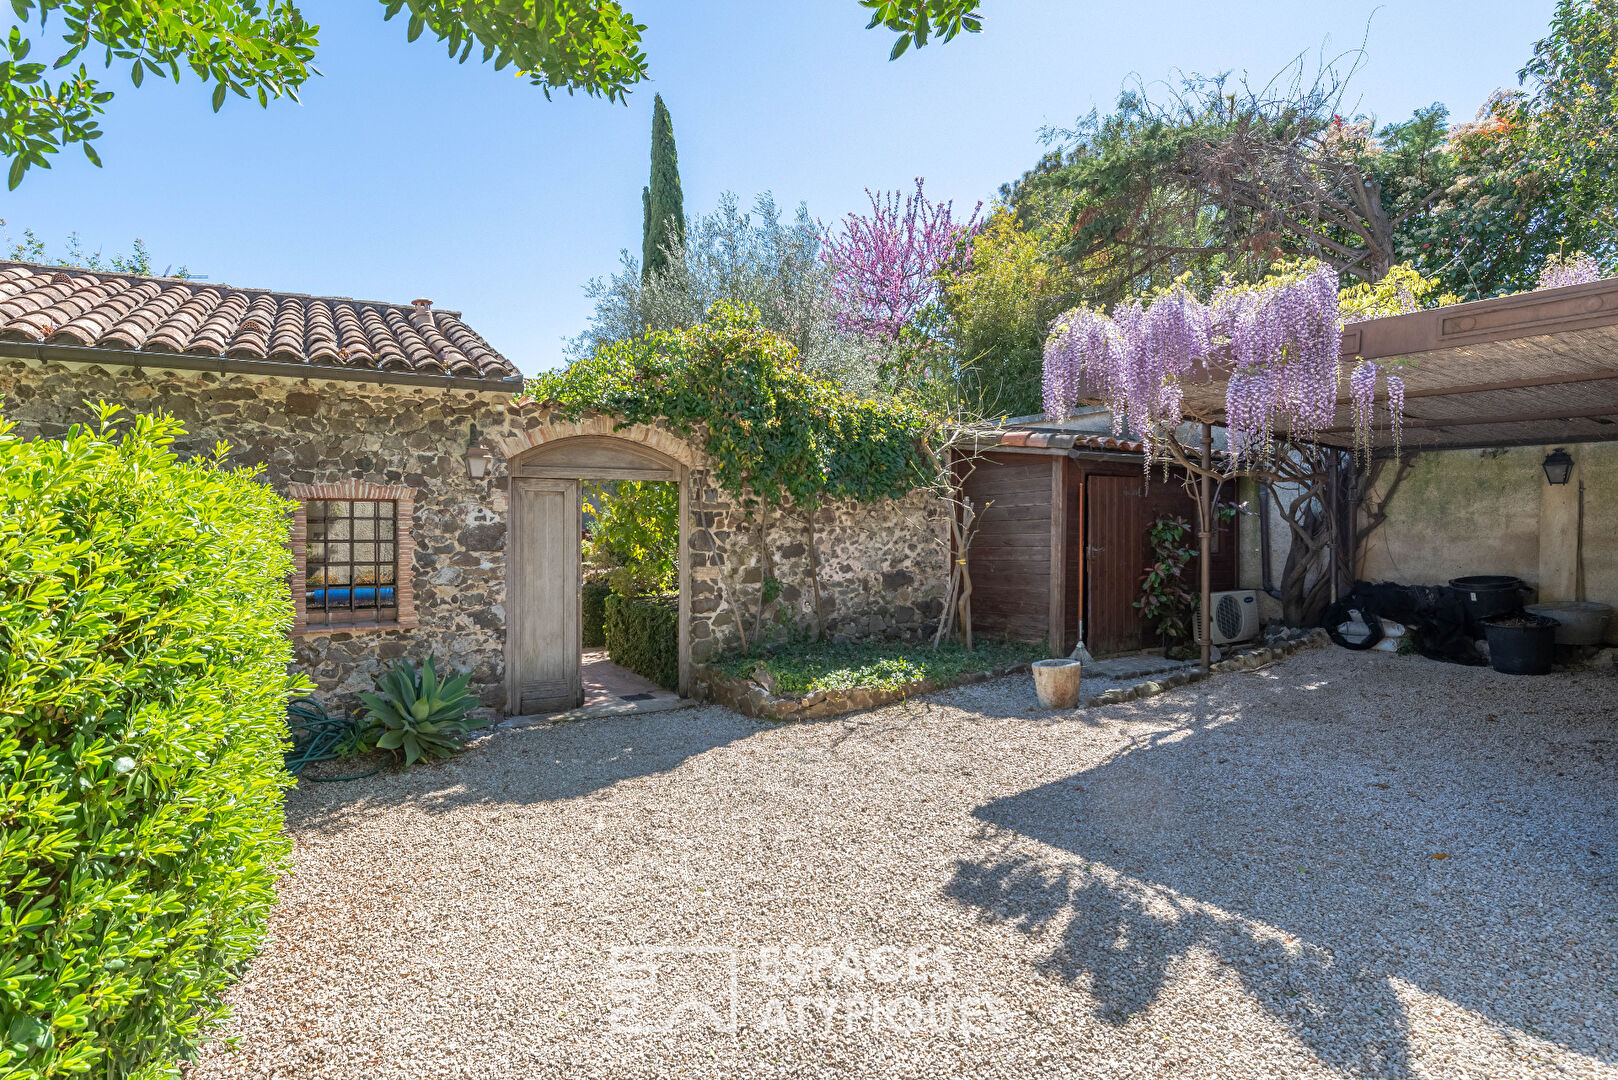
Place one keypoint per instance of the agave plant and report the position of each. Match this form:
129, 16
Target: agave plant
419, 714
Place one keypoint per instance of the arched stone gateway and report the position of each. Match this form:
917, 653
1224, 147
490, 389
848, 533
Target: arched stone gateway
882, 565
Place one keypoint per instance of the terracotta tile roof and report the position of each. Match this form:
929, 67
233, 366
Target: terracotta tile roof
51, 305
1051, 438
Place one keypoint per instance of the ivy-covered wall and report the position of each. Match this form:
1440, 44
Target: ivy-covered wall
882, 562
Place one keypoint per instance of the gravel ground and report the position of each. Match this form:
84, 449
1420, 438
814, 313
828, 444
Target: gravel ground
1342, 865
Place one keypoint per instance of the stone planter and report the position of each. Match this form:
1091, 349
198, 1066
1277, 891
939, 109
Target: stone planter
1057, 683
750, 699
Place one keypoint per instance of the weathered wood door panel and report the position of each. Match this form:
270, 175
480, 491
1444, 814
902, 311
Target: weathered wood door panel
543, 660
1118, 513
1114, 556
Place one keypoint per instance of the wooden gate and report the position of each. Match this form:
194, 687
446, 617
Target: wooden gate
1118, 512
543, 652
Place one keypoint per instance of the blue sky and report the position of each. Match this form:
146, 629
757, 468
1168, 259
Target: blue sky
403, 175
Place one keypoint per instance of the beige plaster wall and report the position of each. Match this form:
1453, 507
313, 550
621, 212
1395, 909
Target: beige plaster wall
1492, 512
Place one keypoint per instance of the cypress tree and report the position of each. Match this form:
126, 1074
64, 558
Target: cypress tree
661, 200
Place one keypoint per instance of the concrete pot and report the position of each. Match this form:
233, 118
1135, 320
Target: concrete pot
1580, 622
1057, 683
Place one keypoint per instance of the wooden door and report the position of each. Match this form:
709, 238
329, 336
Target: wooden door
543, 638
1118, 514
1114, 559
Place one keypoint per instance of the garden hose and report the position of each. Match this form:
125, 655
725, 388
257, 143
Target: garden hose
317, 736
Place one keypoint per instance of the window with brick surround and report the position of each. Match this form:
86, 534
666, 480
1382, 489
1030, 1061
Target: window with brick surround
352, 554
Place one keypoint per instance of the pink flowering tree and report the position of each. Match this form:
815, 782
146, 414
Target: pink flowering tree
887, 271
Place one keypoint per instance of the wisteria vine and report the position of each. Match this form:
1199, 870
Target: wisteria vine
1279, 342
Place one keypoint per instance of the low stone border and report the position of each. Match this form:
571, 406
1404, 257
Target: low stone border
750, 699
1246, 660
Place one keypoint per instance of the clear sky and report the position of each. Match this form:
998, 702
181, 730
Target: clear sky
404, 175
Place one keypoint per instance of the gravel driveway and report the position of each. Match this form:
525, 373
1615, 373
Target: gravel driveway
1345, 864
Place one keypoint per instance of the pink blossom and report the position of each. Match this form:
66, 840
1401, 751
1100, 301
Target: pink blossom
886, 266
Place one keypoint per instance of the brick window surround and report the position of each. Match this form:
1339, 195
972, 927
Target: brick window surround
404, 500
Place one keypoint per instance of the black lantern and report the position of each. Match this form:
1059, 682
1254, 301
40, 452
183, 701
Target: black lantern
1558, 466
477, 456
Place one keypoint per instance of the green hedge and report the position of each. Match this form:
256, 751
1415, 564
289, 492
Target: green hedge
643, 635
594, 603
143, 689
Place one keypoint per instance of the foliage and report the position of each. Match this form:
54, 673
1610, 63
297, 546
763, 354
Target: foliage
916, 21
663, 228
144, 610
805, 668
774, 434
636, 532
1000, 307
417, 714
1167, 600
752, 258
643, 635
593, 605
266, 50
139, 260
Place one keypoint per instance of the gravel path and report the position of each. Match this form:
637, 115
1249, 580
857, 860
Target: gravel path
1342, 865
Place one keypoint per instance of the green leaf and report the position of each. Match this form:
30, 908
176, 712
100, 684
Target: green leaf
219, 97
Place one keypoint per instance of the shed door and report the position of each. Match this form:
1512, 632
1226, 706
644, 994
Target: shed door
1114, 561
1118, 513
543, 650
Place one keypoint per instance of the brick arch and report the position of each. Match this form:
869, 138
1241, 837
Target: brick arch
528, 428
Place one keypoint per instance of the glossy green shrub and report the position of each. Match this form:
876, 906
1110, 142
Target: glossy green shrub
593, 603
143, 685
643, 635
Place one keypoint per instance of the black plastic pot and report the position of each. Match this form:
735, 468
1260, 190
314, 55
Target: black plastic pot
1521, 644
1488, 595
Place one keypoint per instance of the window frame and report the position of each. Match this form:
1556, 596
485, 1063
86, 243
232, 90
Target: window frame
404, 500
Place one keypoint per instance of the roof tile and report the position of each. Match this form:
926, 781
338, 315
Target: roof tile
130, 313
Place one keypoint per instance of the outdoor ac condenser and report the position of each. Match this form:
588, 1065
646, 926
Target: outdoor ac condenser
1235, 616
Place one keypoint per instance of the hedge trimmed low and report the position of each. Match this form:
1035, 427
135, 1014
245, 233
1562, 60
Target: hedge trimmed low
143, 689
643, 635
593, 601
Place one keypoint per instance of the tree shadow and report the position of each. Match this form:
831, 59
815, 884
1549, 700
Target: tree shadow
1307, 851
525, 766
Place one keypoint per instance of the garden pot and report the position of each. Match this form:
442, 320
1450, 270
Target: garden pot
1583, 622
1521, 644
1057, 683
1488, 595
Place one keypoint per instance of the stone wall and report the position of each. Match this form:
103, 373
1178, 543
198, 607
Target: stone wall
321, 432
882, 565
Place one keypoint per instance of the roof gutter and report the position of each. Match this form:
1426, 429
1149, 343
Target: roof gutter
229, 365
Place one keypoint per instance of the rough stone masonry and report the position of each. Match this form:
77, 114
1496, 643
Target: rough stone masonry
882, 566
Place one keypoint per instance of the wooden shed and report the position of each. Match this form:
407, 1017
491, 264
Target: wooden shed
1062, 541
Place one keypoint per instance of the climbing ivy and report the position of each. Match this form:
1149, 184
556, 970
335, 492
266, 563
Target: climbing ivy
775, 435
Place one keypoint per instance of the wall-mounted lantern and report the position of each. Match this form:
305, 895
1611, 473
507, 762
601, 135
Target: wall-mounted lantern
1558, 466
478, 456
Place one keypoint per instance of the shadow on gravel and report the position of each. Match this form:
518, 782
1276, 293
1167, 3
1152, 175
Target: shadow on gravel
1299, 848
551, 763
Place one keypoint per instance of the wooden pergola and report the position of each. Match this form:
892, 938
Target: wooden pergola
1532, 369
1535, 368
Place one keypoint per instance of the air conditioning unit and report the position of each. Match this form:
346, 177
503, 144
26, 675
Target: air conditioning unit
1235, 616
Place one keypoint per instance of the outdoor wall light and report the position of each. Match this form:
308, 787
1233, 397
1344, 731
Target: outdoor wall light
1558, 466
478, 456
